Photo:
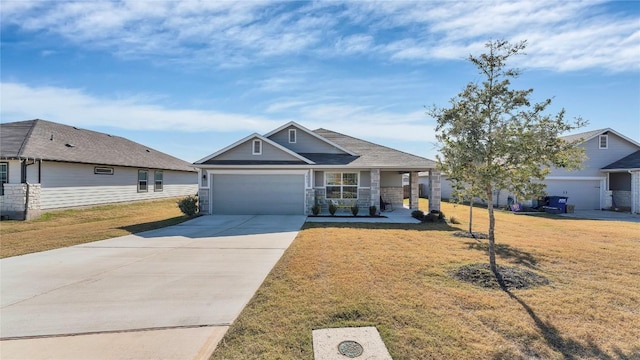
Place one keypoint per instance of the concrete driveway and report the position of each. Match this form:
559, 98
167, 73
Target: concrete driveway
196, 275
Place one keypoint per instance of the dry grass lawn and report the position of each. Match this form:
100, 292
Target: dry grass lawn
397, 279
71, 227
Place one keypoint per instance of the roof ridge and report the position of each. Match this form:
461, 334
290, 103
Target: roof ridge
27, 137
370, 142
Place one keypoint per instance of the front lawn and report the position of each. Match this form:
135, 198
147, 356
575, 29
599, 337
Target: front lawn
398, 278
77, 226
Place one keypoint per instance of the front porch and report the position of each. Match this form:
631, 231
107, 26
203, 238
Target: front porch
375, 187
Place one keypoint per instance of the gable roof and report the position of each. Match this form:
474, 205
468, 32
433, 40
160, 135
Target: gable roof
45, 140
295, 124
588, 135
208, 159
374, 155
630, 162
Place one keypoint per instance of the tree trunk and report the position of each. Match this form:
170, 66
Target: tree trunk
492, 240
471, 216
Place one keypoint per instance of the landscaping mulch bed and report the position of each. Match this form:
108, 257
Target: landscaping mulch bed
512, 277
475, 235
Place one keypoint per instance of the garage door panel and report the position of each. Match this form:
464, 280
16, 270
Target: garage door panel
584, 194
258, 194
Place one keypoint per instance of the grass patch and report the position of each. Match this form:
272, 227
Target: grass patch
78, 226
398, 278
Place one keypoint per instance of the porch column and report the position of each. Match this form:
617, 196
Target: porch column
635, 192
375, 188
434, 190
413, 190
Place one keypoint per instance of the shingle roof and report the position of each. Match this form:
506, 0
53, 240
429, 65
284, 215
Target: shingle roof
46, 140
374, 155
583, 135
628, 162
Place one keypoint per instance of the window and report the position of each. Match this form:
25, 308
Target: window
143, 178
341, 185
4, 176
292, 136
257, 147
157, 185
103, 170
604, 141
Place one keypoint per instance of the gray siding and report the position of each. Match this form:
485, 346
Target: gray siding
599, 158
244, 151
318, 178
365, 178
388, 178
305, 143
69, 185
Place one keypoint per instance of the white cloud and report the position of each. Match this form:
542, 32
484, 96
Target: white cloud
563, 35
139, 112
74, 107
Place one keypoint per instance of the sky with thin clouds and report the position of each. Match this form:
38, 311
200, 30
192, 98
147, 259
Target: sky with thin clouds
191, 77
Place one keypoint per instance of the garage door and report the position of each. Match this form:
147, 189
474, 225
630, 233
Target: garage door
258, 194
584, 194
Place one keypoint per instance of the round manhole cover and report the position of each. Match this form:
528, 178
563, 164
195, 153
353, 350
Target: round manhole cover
350, 349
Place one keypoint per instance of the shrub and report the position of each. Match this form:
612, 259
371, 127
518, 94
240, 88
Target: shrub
189, 205
355, 209
418, 214
315, 209
434, 216
373, 210
332, 209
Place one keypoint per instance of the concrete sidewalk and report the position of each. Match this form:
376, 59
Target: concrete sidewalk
192, 278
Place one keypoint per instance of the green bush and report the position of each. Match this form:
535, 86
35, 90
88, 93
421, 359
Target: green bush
332, 209
418, 214
315, 209
189, 205
355, 209
373, 210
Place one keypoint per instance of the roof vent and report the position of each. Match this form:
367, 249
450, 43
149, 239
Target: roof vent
69, 145
148, 150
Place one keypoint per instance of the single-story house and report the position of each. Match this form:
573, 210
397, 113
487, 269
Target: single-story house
45, 165
290, 169
607, 178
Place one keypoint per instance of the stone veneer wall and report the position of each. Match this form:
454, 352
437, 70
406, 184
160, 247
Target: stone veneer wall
375, 188
622, 198
12, 203
393, 194
635, 191
435, 190
203, 201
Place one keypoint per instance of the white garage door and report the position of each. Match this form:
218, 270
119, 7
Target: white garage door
584, 194
258, 194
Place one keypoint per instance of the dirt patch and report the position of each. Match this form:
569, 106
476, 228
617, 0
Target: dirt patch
474, 235
512, 277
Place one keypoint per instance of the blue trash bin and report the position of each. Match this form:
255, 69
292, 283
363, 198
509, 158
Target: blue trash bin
559, 202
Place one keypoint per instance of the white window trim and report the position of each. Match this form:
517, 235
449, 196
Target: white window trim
606, 137
155, 188
146, 181
253, 147
357, 185
295, 136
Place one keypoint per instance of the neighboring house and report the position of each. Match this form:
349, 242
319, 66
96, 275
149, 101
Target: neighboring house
291, 168
47, 165
610, 177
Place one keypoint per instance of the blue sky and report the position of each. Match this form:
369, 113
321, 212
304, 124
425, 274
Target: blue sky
189, 78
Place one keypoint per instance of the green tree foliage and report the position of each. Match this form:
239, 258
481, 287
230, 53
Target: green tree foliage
493, 137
